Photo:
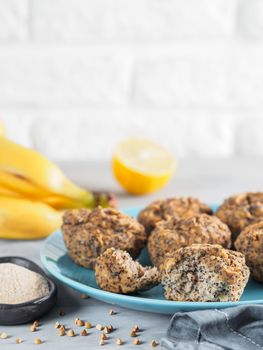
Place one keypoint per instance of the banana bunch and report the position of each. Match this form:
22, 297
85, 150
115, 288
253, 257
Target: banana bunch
34, 192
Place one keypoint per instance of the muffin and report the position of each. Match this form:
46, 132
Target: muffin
250, 243
204, 272
180, 208
87, 234
241, 210
116, 272
172, 234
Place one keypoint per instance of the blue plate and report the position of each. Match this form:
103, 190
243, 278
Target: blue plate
54, 257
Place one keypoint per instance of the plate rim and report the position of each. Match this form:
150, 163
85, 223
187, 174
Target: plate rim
97, 292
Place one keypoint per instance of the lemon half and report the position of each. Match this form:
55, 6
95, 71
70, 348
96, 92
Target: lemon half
142, 166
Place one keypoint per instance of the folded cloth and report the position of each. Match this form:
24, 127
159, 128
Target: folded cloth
236, 328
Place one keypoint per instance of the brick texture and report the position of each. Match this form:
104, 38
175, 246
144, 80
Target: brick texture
249, 141
250, 19
184, 134
88, 20
181, 82
14, 15
61, 78
76, 76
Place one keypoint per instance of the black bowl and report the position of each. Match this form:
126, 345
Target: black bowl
12, 314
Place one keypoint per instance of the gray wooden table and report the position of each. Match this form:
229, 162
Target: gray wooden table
210, 180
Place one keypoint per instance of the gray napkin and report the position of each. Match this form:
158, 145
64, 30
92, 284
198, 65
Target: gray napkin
236, 328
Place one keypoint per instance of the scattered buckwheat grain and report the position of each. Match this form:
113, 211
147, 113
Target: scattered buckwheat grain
154, 343
136, 341
61, 331
108, 329
84, 296
80, 323
133, 334
136, 328
33, 328
38, 341
57, 325
119, 341
70, 333
103, 336
101, 342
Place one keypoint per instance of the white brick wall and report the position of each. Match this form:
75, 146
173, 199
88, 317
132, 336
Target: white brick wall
50, 77
122, 20
14, 17
76, 76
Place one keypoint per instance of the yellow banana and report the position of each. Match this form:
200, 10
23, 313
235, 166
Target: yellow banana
2, 130
59, 202
21, 185
25, 219
6, 192
33, 172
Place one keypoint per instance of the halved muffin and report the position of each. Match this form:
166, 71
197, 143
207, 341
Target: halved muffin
204, 272
117, 272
